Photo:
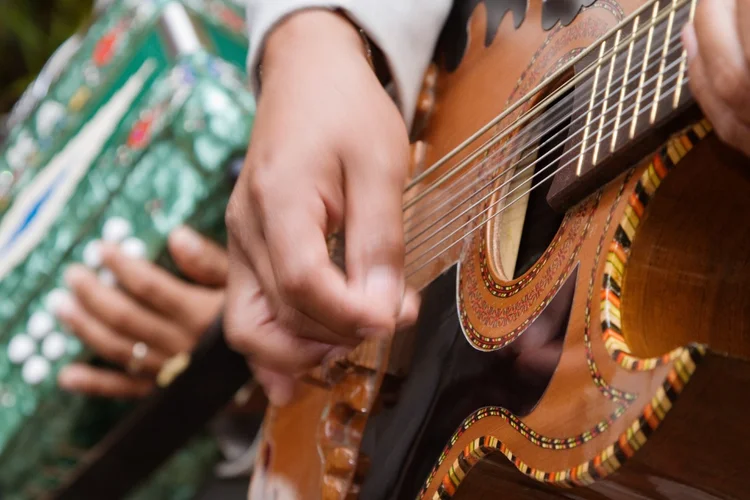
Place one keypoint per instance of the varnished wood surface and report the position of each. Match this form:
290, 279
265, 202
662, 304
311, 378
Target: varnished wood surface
688, 277
699, 453
572, 404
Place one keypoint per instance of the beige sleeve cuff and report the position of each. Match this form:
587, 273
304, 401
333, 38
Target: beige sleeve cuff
405, 31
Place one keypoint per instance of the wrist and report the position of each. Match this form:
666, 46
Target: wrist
313, 33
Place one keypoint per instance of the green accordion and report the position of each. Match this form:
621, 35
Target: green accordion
133, 139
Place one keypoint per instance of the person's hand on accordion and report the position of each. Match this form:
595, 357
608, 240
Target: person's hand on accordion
148, 318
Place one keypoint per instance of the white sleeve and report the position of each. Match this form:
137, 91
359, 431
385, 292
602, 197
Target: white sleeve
405, 31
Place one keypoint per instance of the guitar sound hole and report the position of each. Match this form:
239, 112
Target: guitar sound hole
541, 222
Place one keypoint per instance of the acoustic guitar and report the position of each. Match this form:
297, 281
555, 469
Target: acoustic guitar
568, 197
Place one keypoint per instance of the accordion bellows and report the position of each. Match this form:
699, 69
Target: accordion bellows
133, 139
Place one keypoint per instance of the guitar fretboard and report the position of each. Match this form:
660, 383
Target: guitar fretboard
639, 79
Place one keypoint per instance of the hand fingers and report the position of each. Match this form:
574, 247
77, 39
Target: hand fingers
198, 258
249, 251
278, 386
720, 53
252, 328
306, 278
157, 290
122, 314
409, 309
743, 28
103, 340
193, 307
721, 115
92, 381
146, 282
375, 236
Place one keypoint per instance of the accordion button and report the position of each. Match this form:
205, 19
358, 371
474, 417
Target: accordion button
40, 324
53, 347
49, 115
35, 369
116, 229
56, 299
92, 254
20, 348
133, 248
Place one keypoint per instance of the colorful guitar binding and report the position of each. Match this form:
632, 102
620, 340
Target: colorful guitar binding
132, 140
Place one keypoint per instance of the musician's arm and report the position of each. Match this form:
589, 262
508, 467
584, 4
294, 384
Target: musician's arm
404, 30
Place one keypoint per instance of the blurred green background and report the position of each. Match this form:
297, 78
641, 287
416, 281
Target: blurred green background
30, 31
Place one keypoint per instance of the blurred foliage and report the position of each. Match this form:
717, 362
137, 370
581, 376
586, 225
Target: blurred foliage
30, 31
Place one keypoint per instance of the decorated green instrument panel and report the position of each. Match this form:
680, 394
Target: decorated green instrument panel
133, 139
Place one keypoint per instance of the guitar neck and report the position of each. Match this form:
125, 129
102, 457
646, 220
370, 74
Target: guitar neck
637, 95
628, 95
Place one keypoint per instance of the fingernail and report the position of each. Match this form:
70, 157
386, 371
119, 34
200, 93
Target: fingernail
689, 41
69, 377
383, 291
74, 275
186, 239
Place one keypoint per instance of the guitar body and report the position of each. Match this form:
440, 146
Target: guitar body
637, 412
622, 325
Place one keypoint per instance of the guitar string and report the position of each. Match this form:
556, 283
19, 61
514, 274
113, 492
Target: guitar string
466, 212
535, 110
363, 351
515, 125
500, 117
520, 173
666, 43
685, 80
480, 225
574, 158
511, 163
656, 17
461, 188
610, 60
556, 111
545, 83
470, 159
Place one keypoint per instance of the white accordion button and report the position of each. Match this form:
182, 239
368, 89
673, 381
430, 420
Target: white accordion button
56, 299
107, 278
40, 324
133, 248
116, 229
20, 348
53, 347
92, 254
48, 116
35, 369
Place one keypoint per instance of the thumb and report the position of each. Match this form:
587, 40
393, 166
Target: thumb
279, 387
375, 246
197, 257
